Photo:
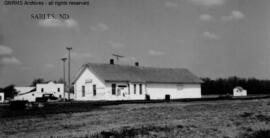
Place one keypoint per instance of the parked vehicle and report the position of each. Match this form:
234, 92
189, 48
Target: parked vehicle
47, 98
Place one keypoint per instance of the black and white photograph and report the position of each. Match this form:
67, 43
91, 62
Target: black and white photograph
135, 69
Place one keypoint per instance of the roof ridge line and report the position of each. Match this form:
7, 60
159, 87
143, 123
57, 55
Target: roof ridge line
126, 65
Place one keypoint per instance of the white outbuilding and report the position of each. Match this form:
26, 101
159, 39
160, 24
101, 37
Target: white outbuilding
96, 81
31, 93
57, 89
239, 91
22, 90
26, 93
2, 97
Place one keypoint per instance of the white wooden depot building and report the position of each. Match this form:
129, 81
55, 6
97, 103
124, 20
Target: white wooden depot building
96, 81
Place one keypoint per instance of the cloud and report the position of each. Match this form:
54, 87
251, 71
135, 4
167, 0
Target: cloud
78, 55
180, 41
4, 50
155, 53
9, 60
25, 68
49, 65
6, 56
170, 4
237, 15
70, 23
208, 2
206, 17
51, 23
56, 23
210, 35
116, 45
129, 59
100, 27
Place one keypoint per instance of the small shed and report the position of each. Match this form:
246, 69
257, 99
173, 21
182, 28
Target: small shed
2, 97
239, 91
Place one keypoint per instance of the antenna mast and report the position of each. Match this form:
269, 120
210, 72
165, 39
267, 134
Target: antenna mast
117, 56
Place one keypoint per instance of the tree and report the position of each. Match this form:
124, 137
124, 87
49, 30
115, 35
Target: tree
61, 80
38, 80
10, 92
225, 85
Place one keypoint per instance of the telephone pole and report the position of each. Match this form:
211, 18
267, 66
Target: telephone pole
69, 49
64, 76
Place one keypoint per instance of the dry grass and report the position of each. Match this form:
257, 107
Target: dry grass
195, 119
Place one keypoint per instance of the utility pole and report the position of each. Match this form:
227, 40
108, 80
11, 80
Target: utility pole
64, 76
69, 49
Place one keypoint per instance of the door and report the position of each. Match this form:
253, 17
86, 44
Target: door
122, 90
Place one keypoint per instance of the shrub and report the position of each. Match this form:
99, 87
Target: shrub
263, 133
18, 105
226, 96
246, 114
134, 132
263, 118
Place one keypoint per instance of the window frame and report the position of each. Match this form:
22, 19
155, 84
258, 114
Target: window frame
83, 91
134, 88
140, 89
94, 89
113, 88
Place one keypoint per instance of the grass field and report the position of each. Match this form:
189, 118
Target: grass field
228, 118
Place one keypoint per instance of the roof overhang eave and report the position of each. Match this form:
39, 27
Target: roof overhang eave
174, 82
128, 81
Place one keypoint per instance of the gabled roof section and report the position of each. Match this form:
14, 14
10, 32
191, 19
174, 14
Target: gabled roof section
109, 72
32, 91
49, 82
22, 90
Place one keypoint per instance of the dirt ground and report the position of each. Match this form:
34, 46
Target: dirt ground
176, 119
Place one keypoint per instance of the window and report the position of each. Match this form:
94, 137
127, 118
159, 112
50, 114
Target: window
42, 89
94, 90
113, 89
58, 89
122, 86
140, 89
128, 89
0, 98
83, 91
134, 88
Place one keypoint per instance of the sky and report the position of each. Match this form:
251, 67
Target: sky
211, 38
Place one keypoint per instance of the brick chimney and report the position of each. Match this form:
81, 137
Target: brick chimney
137, 64
111, 61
